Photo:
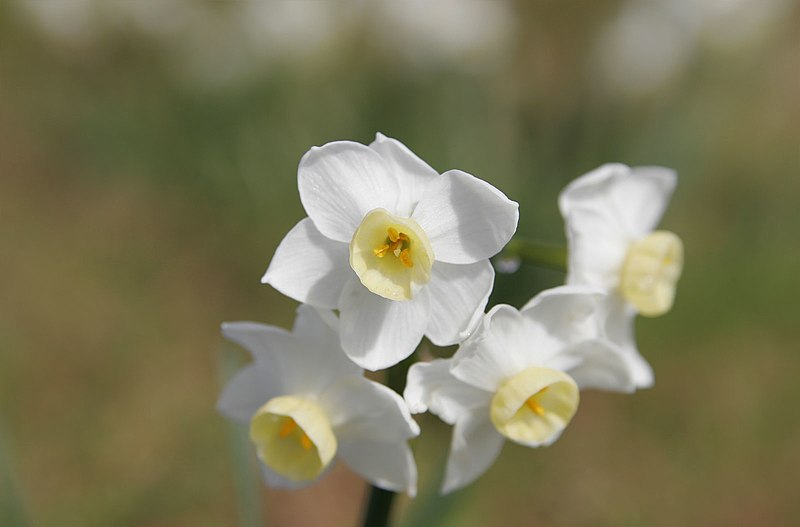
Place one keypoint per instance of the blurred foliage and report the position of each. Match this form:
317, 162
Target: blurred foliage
139, 206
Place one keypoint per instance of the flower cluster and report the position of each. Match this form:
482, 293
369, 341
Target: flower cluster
391, 252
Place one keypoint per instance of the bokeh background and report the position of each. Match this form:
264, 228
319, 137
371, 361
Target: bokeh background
148, 154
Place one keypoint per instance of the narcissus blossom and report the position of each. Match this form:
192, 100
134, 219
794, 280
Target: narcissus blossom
399, 249
307, 403
518, 378
610, 214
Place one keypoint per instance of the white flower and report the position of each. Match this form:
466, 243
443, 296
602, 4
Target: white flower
398, 249
610, 214
307, 403
517, 377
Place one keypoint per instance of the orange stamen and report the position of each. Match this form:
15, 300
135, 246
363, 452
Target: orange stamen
288, 428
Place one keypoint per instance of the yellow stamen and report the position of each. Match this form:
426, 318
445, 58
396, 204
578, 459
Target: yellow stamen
405, 258
535, 406
394, 235
288, 428
380, 252
305, 442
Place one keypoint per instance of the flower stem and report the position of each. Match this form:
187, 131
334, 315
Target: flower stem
378, 508
548, 255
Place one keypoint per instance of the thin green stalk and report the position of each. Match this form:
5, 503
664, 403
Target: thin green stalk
247, 482
548, 255
379, 506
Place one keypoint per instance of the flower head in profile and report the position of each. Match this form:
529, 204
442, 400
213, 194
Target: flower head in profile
610, 215
399, 249
518, 378
307, 403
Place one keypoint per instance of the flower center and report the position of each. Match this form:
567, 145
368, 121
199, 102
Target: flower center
534, 406
392, 256
398, 244
651, 270
293, 437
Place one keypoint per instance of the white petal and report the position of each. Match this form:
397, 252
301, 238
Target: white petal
597, 249
309, 267
389, 466
505, 344
569, 313
269, 345
247, 391
465, 218
620, 330
377, 333
340, 182
642, 197
596, 364
458, 296
474, 447
362, 409
431, 386
319, 360
412, 173
632, 198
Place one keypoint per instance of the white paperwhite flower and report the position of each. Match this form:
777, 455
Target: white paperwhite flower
307, 403
400, 250
518, 377
610, 214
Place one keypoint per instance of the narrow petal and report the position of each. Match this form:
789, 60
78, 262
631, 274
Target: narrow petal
267, 344
596, 364
377, 333
413, 173
596, 247
634, 199
620, 330
309, 267
319, 360
505, 344
362, 409
474, 447
569, 313
247, 391
458, 296
465, 218
642, 197
432, 387
340, 182
388, 466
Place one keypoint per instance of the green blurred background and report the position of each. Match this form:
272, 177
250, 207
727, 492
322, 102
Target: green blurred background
148, 154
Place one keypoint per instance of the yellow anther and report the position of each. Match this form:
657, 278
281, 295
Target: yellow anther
287, 428
305, 442
380, 252
405, 258
394, 235
535, 407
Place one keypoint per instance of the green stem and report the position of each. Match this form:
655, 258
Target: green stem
551, 256
379, 506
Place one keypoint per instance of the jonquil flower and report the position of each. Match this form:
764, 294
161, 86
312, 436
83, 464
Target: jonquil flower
610, 214
518, 377
400, 250
307, 403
